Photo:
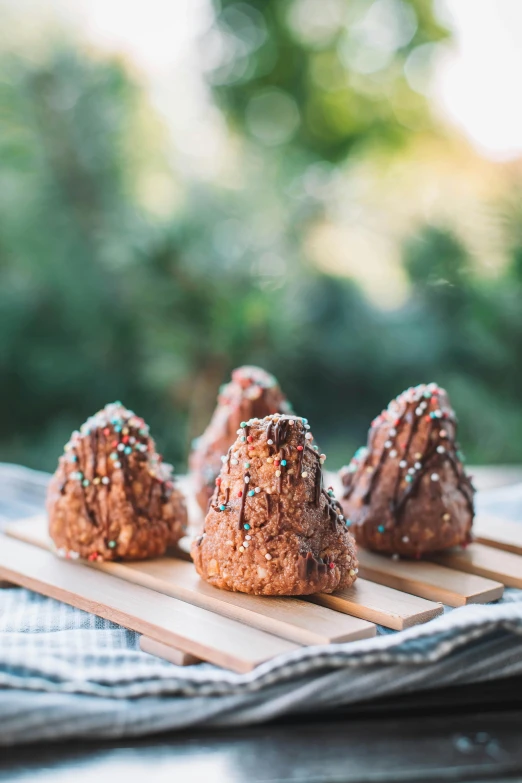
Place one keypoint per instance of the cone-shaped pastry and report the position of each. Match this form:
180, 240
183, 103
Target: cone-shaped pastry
252, 393
272, 529
112, 497
407, 493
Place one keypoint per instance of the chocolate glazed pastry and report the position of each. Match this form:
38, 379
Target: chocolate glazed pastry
112, 497
252, 392
272, 528
407, 493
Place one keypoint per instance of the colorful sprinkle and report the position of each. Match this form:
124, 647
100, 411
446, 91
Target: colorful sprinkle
381, 528
246, 526
268, 556
251, 493
243, 424
112, 544
434, 477
247, 464
222, 507
304, 474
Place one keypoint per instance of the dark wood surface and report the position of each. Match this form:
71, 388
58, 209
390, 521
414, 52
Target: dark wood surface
473, 733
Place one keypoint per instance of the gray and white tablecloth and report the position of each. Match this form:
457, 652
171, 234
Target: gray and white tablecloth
65, 673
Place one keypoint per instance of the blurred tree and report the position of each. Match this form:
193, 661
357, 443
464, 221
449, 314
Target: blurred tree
101, 297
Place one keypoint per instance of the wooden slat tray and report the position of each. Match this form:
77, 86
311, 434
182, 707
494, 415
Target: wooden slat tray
498, 533
487, 562
429, 580
177, 624
292, 618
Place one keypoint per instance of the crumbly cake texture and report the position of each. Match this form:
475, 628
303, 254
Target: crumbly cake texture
407, 492
272, 528
252, 393
112, 497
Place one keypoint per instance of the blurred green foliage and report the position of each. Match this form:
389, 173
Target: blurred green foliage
102, 300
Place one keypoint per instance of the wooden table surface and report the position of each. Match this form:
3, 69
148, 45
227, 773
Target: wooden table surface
460, 734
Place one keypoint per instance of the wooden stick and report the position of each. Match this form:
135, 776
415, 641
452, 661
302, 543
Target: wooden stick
290, 618
428, 580
487, 562
383, 605
171, 654
498, 533
162, 618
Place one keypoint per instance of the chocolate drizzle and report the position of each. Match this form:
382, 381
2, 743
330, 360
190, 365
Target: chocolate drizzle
243, 500
310, 567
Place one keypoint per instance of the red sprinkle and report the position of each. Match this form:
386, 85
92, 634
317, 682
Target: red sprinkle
249, 438
332, 565
218, 481
240, 493
125, 439
277, 462
427, 418
299, 448
106, 431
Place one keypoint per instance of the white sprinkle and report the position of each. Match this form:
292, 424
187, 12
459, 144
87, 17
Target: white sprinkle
393, 453
418, 465
291, 422
352, 572
270, 441
443, 433
239, 431
241, 548
304, 474
117, 464
257, 489
441, 449
234, 462
393, 432
268, 556
403, 463
270, 459
411, 471
246, 544
418, 411
340, 516
309, 436
405, 539
105, 480
120, 446
387, 444
434, 476
248, 538
224, 458
278, 473
247, 479
307, 426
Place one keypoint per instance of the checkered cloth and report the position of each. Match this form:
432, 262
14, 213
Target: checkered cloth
66, 673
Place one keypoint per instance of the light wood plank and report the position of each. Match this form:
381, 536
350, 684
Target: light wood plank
498, 533
486, 562
381, 604
178, 624
290, 618
429, 580
171, 654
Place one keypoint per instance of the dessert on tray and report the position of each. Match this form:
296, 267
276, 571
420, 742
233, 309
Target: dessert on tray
252, 392
112, 497
272, 528
407, 492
